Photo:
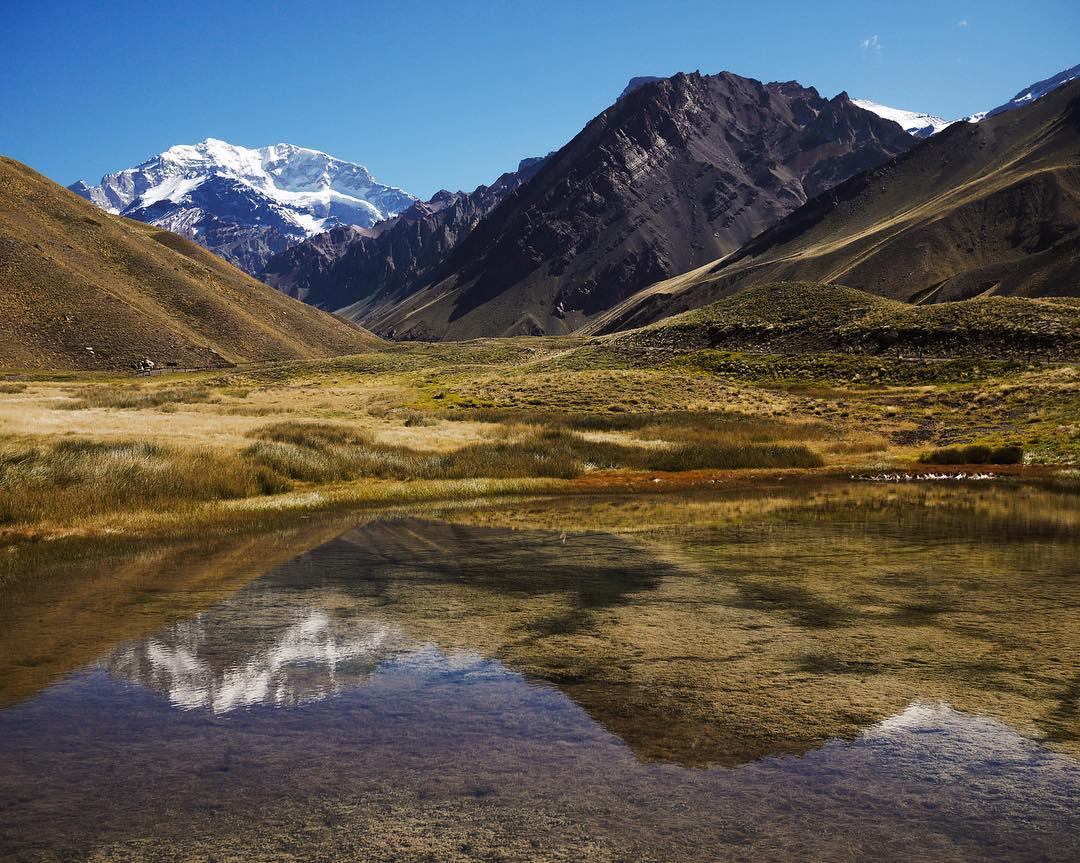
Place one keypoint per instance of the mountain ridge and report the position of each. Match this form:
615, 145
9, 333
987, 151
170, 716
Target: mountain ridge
85, 289
916, 123
246, 204
673, 171
981, 208
358, 270
1034, 92
923, 125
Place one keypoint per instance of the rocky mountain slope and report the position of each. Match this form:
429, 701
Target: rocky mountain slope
675, 173
246, 204
365, 270
84, 289
991, 208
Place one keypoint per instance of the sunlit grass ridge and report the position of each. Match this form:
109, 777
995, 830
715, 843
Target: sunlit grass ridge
76, 478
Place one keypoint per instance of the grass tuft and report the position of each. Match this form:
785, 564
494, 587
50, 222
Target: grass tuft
77, 478
974, 454
138, 398
320, 452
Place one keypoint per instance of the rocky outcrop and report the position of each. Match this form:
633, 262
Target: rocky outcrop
365, 270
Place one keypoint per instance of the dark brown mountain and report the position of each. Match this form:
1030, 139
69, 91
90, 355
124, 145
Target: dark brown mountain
676, 173
365, 269
84, 289
986, 209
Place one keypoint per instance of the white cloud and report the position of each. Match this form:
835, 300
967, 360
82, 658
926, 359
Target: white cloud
963, 22
871, 44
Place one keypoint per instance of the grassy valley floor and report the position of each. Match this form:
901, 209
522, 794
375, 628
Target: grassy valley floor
92, 454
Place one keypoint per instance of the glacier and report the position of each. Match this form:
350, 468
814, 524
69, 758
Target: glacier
913, 122
246, 204
924, 125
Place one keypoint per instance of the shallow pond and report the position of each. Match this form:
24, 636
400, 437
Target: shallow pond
774, 671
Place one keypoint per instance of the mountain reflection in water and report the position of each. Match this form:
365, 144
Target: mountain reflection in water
658, 684
306, 631
309, 661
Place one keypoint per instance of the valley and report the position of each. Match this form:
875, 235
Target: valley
704, 489
746, 385
885, 306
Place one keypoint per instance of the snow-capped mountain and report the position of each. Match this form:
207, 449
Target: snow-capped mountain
924, 125
216, 662
913, 122
1030, 94
246, 204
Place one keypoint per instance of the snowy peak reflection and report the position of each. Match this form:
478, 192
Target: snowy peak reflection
312, 658
934, 737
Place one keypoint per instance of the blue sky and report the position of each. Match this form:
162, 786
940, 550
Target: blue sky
431, 95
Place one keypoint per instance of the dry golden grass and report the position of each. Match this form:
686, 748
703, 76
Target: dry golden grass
75, 478
476, 419
320, 452
88, 290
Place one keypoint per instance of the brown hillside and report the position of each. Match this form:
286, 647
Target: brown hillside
73, 277
798, 317
673, 175
987, 209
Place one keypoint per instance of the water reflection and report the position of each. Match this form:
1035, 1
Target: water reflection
782, 676
715, 644
309, 629
310, 660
